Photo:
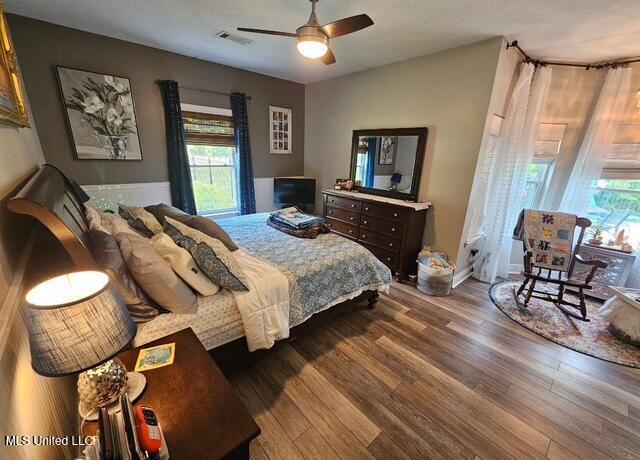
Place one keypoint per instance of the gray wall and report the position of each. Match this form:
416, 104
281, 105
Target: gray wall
41, 46
448, 92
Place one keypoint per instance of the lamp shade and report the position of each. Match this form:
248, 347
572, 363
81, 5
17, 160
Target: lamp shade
76, 321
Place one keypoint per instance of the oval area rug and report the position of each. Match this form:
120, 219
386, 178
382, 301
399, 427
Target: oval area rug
542, 317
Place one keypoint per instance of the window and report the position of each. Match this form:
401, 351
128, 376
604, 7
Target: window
615, 206
537, 179
212, 159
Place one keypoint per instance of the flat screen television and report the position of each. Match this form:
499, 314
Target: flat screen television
295, 191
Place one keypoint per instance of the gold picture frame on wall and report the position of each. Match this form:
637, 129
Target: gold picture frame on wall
12, 104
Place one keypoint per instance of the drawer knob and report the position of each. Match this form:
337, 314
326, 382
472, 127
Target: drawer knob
366, 209
353, 205
395, 214
364, 236
365, 222
390, 244
351, 231
393, 229
351, 218
330, 212
388, 259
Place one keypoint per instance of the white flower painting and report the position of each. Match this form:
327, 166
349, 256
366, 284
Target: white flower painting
101, 115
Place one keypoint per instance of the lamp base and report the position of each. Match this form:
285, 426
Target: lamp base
137, 382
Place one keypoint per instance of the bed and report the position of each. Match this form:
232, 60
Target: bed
321, 273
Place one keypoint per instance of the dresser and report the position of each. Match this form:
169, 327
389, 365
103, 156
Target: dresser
391, 229
619, 266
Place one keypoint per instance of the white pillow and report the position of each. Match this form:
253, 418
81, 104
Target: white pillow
183, 264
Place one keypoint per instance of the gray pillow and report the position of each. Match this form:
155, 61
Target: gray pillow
213, 258
155, 275
200, 223
106, 253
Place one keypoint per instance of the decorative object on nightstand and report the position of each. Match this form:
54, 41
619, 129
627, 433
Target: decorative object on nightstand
78, 323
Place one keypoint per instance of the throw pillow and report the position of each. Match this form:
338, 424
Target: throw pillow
213, 257
140, 219
183, 264
114, 224
155, 276
200, 223
106, 253
93, 219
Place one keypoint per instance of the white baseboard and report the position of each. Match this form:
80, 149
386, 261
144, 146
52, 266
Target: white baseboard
460, 277
515, 268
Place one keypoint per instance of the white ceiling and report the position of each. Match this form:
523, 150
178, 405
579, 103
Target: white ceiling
575, 30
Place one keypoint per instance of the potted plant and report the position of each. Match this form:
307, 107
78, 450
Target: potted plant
595, 234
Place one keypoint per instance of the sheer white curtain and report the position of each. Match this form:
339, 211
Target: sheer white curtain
598, 140
505, 192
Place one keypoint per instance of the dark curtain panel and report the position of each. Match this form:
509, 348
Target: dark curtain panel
371, 162
179, 172
243, 152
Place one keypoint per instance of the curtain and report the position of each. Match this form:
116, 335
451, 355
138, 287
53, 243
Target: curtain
504, 197
178, 159
371, 162
245, 185
598, 140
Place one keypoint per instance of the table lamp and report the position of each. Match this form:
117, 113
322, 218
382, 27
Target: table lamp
78, 323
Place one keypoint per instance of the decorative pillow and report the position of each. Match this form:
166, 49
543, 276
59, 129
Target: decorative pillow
93, 219
213, 258
106, 252
140, 219
115, 224
206, 226
155, 276
183, 264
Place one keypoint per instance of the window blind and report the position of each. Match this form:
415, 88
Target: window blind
623, 161
550, 136
211, 129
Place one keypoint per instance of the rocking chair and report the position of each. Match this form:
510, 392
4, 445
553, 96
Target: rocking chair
562, 278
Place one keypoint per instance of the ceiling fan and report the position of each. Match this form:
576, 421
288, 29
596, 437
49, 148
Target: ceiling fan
313, 39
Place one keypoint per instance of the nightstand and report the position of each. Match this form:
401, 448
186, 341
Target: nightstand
200, 414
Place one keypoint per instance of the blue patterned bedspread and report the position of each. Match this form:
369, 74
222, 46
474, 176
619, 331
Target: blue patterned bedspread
321, 272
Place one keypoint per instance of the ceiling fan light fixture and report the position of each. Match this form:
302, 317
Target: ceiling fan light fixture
312, 44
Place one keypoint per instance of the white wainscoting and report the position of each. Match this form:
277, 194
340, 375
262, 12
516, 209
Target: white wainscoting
108, 196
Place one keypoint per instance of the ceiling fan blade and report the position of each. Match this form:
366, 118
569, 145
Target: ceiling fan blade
328, 58
267, 32
347, 25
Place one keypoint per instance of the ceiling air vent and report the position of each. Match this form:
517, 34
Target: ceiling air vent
234, 38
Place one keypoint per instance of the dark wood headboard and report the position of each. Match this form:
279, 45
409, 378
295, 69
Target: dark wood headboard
50, 198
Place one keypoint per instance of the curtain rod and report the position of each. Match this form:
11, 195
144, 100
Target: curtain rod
527, 58
202, 90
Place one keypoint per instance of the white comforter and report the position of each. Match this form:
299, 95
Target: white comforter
264, 308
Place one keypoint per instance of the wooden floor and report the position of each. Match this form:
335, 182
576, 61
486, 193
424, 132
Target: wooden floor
425, 377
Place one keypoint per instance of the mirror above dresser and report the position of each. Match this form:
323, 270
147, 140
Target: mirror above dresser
388, 162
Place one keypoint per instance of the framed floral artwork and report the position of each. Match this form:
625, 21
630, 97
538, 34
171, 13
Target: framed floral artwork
280, 130
12, 103
100, 115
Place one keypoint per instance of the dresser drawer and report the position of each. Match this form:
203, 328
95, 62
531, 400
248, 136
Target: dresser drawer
344, 215
343, 228
385, 211
388, 258
344, 203
381, 225
378, 239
